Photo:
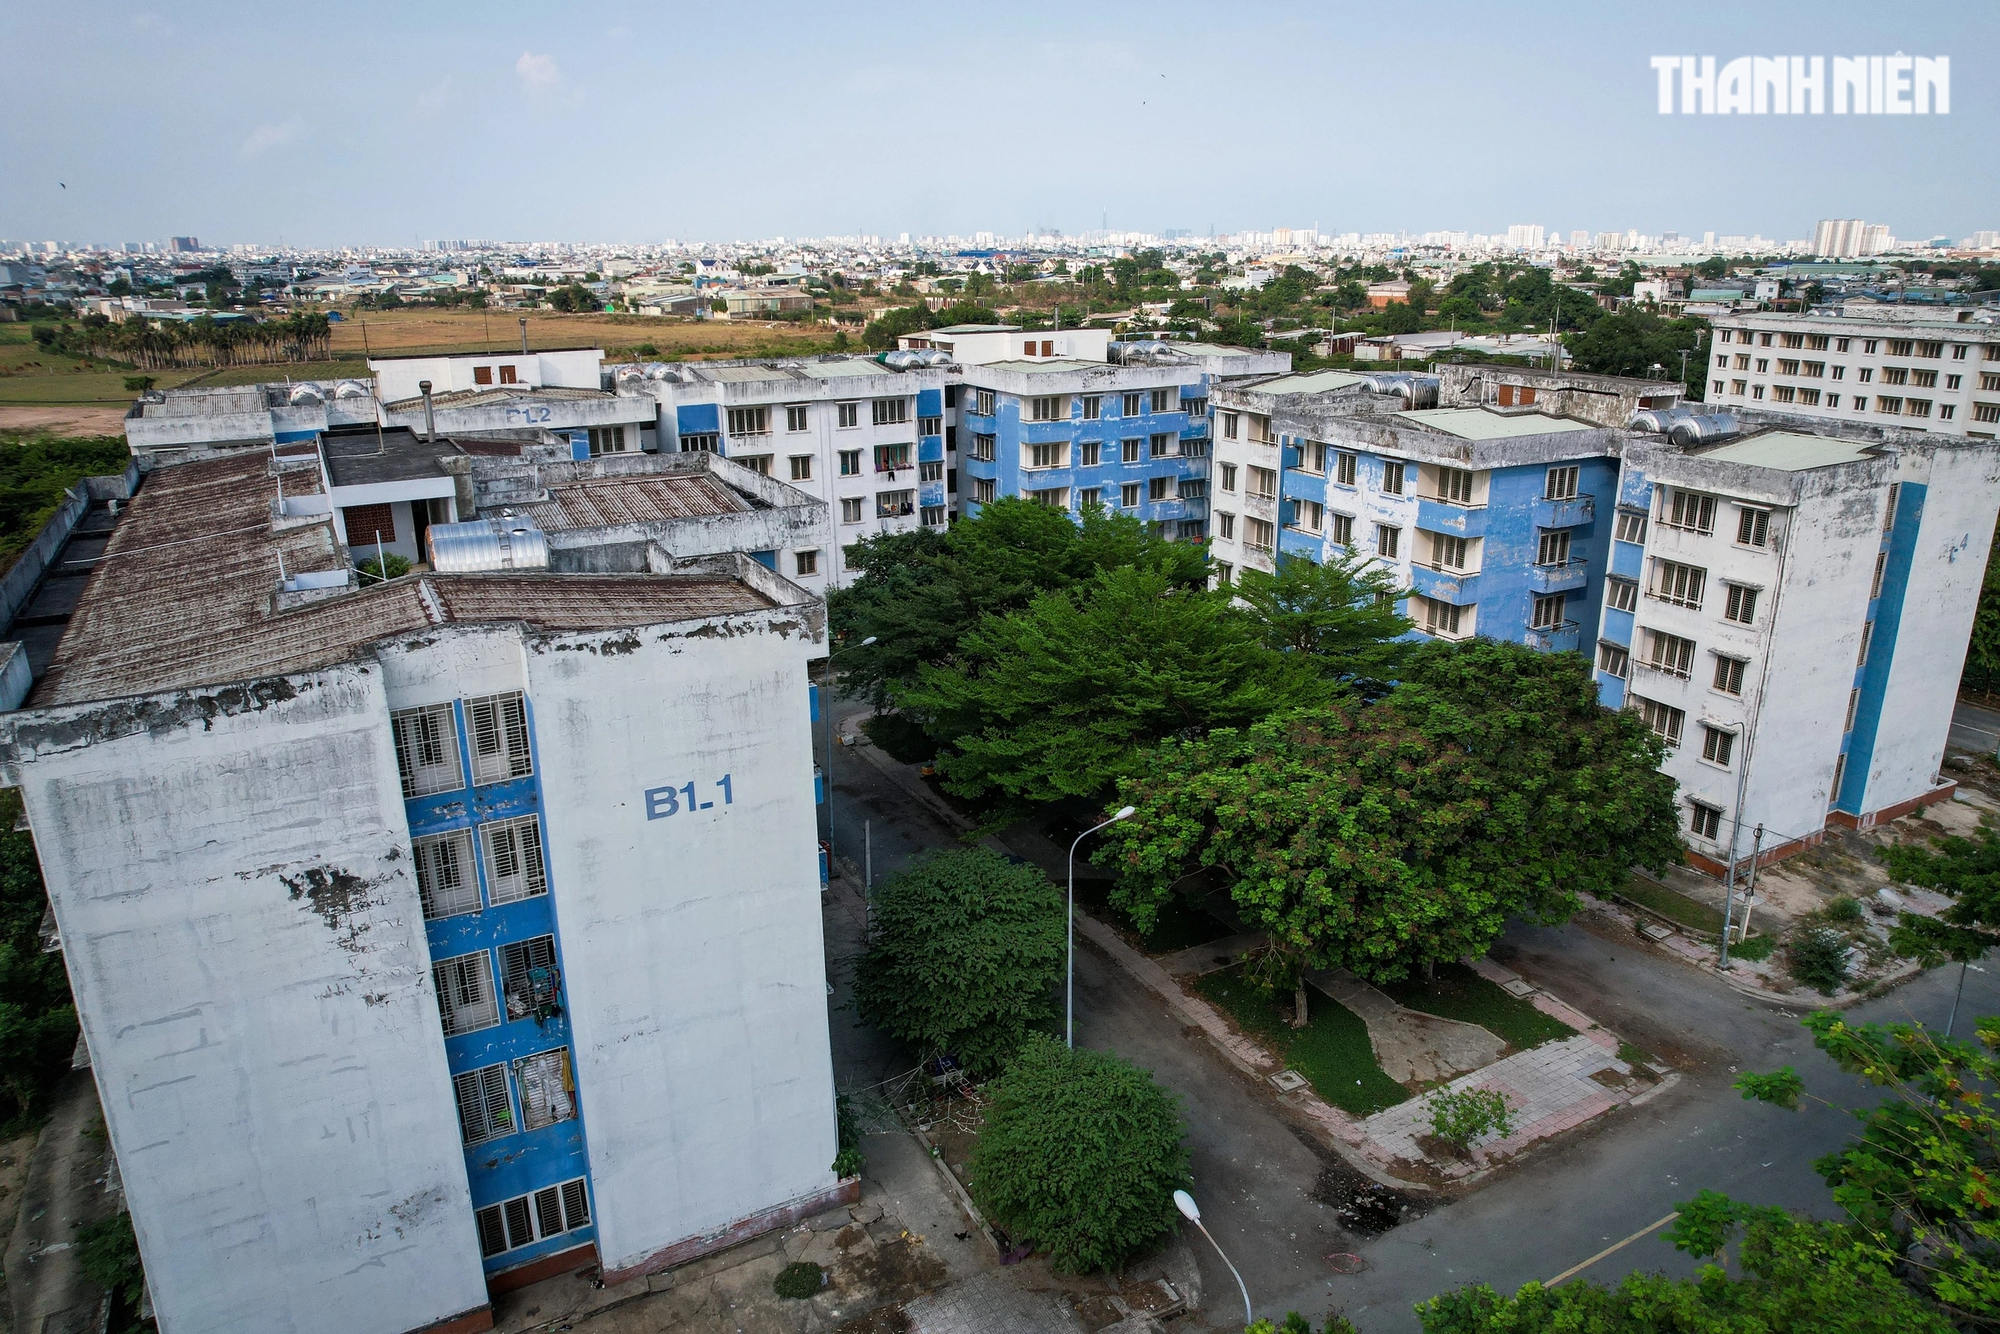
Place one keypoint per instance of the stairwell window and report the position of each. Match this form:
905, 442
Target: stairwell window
465, 996
1717, 745
514, 867
446, 882
547, 1088
427, 749
527, 1219
484, 1110
499, 732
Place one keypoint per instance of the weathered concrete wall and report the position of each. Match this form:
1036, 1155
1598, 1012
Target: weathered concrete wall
689, 919
230, 873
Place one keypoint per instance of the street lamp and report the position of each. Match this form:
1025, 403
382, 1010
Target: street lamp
1192, 1212
1069, 995
827, 704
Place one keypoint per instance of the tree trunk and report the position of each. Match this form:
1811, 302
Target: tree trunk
1299, 1016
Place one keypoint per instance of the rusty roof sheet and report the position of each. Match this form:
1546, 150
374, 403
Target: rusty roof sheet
184, 593
458, 398
603, 502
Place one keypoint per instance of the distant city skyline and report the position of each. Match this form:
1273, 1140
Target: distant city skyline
604, 123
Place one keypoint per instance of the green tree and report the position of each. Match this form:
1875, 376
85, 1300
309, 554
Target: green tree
1982, 656
1080, 1153
1386, 836
1966, 870
1342, 613
964, 954
1632, 342
1399, 317
37, 1020
1058, 700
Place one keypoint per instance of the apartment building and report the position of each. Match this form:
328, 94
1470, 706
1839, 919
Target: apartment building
438, 935
1898, 367
1789, 611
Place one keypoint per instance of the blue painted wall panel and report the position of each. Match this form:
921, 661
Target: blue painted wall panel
697, 418
1873, 678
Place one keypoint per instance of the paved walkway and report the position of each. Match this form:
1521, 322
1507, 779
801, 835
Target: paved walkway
1411, 1047
990, 1304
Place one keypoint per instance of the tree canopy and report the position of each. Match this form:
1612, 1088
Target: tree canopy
1341, 612
1968, 871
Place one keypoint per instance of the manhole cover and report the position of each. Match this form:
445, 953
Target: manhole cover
1515, 986
1288, 1081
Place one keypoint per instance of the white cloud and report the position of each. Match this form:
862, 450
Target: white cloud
267, 137
538, 73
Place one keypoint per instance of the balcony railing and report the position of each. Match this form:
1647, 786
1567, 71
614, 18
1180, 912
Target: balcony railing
1571, 512
1573, 573
1563, 638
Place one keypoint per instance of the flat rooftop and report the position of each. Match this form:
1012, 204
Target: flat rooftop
1056, 366
183, 595
1481, 424
1793, 451
380, 454
458, 398
1315, 382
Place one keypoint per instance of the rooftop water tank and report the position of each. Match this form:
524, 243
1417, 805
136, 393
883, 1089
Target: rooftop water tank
509, 542
1703, 428
1416, 391
304, 394
351, 389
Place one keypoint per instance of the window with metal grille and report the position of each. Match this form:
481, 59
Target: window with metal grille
527, 1219
529, 979
806, 562
895, 504
1621, 594
465, 993
498, 725
1553, 547
1741, 604
1677, 583
514, 859
446, 885
1704, 821
1729, 675
1613, 659
483, 1110
548, 1088
1717, 745
1670, 653
1561, 484
1689, 511
1664, 719
1547, 612
427, 749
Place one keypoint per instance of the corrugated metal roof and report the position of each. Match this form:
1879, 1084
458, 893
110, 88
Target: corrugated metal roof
602, 502
1793, 451
1480, 424
1315, 382
745, 374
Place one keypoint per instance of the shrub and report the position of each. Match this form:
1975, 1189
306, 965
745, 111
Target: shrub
138, 384
1294, 1323
848, 1161
371, 569
1818, 959
108, 1253
1842, 908
964, 956
1754, 950
1460, 1118
1080, 1154
799, 1280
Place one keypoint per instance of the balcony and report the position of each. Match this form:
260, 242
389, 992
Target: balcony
1454, 586
1572, 513
1564, 638
1561, 578
1196, 429
1449, 516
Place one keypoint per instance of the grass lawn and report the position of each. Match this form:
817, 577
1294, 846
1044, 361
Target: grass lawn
1459, 993
1674, 907
1332, 1051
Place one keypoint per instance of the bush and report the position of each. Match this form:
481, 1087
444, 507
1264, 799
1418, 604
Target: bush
138, 384
1818, 959
848, 1161
371, 569
1080, 1154
1460, 1118
1294, 1323
963, 956
799, 1280
1842, 908
108, 1253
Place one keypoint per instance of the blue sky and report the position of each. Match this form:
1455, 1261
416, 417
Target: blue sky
382, 123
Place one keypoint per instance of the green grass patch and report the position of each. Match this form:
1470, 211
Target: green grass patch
1459, 993
36, 469
1672, 906
1755, 950
1332, 1051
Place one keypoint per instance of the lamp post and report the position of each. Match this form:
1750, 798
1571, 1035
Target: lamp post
1069, 990
1192, 1212
827, 704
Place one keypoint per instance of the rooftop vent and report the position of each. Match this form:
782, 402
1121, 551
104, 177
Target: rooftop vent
509, 542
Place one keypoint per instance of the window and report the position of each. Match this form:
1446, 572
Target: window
1312, 457
890, 411
1442, 618
850, 508
1839, 373
1613, 660
529, 978
1258, 534
1881, 563
982, 492
1128, 495
1156, 488
1621, 594
850, 463
1387, 541
1986, 412
1689, 511
1865, 374
888, 458
1050, 409
1191, 488
795, 417
526, 1219
606, 440
1895, 375
1814, 370
1663, 719
1924, 379
446, 885
1670, 653
706, 442
484, 1111
1228, 477
1715, 386
1737, 387
1195, 407
1552, 548
982, 402
1753, 527
1561, 484
1631, 528
1899, 347
1888, 404
1448, 553
982, 448
1455, 486
1229, 425
1677, 583
1343, 468
1092, 452
1093, 407
1132, 404
482, 375
1853, 707
1947, 411
930, 426
802, 467
1842, 344
427, 749
1917, 407
1161, 400
931, 472
546, 1085
1392, 477
1225, 526
1833, 400
1054, 497
750, 421
1867, 640
1783, 393
895, 504
1741, 604
1704, 821
1225, 573
1165, 446
1309, 516
1263, 483
847, 414
1791, 340
1342, 532
806, 562
499, 732
757, 463
465, 993
508, 376
1809, 397
1717, 745
932, 516
1788, 366
1190, 530
1729, 675
514, 859
1547, 613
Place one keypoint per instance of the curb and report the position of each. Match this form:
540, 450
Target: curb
951, 1180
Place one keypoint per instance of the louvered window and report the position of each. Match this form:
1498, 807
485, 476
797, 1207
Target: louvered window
526, 1219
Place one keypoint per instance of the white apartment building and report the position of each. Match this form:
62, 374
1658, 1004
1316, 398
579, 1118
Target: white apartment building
1903, 368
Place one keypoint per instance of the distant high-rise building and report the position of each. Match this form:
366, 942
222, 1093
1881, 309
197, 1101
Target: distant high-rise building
1524, 236
1850, 238
183, 244
1579, 239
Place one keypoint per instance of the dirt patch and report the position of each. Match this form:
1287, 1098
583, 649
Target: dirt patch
881, 1320
1363, 1205
897, 1270
63, 419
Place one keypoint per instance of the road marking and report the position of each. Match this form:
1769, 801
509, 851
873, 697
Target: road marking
1579, 1268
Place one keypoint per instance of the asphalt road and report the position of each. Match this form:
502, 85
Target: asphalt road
1255, 1175
1974, 729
